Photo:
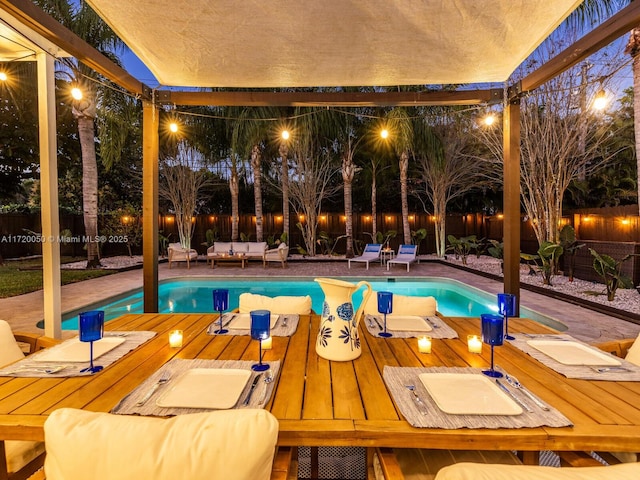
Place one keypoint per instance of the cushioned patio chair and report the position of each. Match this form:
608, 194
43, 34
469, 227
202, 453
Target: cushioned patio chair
278, 254
236, 444
406, 256
476, 471
177, 253
21, 458
371, 253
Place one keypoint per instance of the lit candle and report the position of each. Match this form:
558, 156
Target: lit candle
474, 343
267, 343
424, 344
175, 339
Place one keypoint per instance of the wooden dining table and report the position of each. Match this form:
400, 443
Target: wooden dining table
324, 403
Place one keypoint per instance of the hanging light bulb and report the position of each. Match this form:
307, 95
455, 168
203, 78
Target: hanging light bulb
3, 77
490, 119
384, 133
285, 135
173, 127
600, 100
76, 93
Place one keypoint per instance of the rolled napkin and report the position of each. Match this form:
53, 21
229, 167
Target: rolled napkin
281, 304
404, 305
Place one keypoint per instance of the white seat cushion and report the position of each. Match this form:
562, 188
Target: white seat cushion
281, 304
404, 305
9, 350
227, 444
633, 354
21, 452
476, 471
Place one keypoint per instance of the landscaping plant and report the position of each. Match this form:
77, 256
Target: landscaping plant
609, 269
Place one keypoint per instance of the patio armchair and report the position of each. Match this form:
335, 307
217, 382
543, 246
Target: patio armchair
476, 471
177, 253
278, 254
20, 458
218, 444
371, 253
406, 255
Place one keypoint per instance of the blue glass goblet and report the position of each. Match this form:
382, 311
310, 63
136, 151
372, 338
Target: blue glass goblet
492, 334
91, 329
260, 330
507, 308
220, 304
385, 306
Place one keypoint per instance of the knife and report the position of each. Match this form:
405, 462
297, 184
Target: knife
517, 400
253, 387
375, 319
228, 321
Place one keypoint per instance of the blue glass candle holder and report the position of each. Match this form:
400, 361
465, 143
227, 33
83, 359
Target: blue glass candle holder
91, 329
260, 330
507, 308
220, 304
385, 306
493, 335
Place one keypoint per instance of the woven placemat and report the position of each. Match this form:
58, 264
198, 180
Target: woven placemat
439, 329
280, 329
177, 366
625, 372
397, 378
30, 367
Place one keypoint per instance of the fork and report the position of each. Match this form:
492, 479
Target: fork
610, 369
47, 370
416, 398
268, 378
166, 376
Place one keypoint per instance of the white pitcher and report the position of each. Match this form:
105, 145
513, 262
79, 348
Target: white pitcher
338, 337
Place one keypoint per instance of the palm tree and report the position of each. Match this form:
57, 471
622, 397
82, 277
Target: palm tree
85, 23
283, 150
401, 132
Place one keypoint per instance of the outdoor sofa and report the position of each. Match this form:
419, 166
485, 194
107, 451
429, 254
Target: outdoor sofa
248, 249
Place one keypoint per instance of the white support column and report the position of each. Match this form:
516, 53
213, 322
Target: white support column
49, 196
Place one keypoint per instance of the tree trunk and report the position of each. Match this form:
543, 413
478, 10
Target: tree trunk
235, 211
374, 206
284, 181
633, 49
404, 168
256, 161
86, 133
348, 173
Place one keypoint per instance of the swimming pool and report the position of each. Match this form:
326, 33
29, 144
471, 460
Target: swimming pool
193, 295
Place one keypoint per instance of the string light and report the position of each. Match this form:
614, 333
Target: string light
384, 133
173, 127
76, 93
600, 100
3, 77
285, 135
490, 119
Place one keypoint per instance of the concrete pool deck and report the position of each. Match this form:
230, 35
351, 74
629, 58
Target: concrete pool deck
24, 311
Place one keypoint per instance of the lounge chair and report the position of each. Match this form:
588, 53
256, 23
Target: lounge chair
371, 253
177, 253
406, 255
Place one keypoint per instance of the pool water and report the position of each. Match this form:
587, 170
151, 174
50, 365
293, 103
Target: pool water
193, 295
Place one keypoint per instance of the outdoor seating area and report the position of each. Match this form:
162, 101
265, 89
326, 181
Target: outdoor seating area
157, 134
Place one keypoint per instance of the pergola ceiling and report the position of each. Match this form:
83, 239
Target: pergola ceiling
20, 43
311, 43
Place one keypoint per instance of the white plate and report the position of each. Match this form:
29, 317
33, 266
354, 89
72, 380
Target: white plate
242, 321
74, 350
407, 323
217, 388
468, 394
573, 353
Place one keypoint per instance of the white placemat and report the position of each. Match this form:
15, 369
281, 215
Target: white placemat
439, 329
431, 416
278, 330
31, 366
175, 368
619, 371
